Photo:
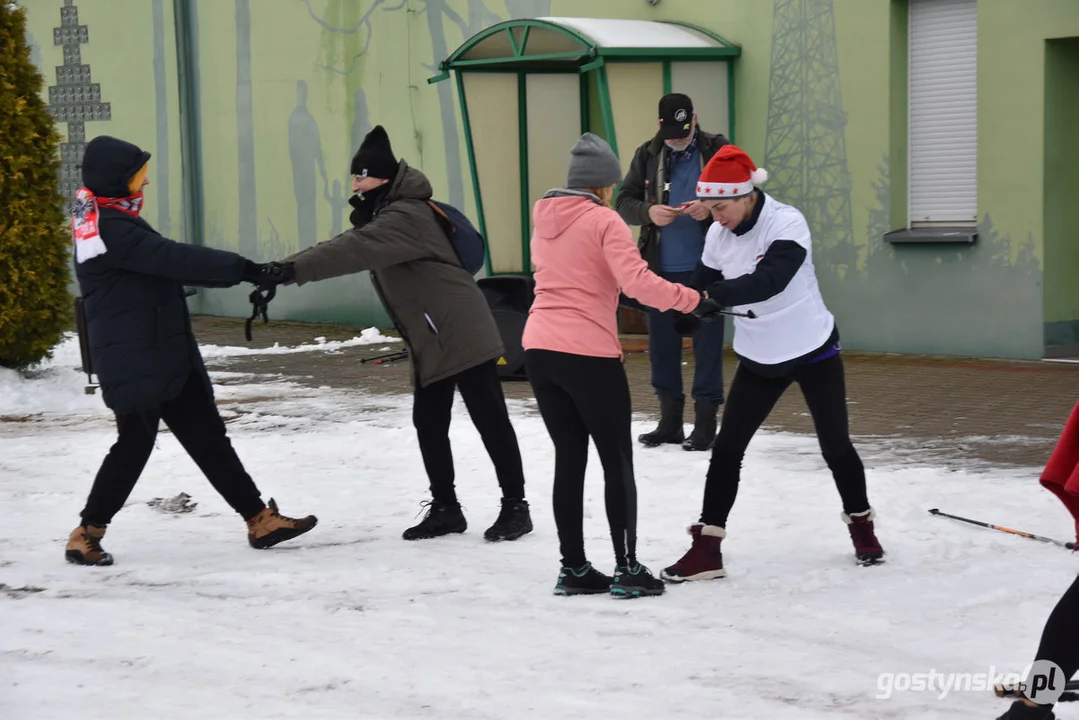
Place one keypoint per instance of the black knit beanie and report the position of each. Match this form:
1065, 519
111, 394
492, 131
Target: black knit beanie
375, 157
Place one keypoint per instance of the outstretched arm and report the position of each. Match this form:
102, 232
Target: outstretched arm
389, 239
137, 250
634, 277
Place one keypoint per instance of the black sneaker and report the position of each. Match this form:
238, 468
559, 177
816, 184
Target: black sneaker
633, 581
441, 519
1021, 711
585, 580
513, 522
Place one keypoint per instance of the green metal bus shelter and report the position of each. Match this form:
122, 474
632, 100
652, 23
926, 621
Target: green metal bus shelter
529, 88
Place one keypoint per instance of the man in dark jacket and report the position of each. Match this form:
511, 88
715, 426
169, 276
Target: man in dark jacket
442, 317
144, 351
659, 194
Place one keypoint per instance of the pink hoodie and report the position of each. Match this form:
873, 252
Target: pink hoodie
584, 252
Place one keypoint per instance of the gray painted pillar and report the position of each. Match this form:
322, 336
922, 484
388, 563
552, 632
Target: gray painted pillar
245, 133
164, 219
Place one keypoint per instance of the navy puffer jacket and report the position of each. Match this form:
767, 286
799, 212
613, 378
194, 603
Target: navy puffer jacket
141, 342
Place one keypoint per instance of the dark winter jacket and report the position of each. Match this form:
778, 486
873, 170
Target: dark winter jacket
433, 301
141, 343
642, 188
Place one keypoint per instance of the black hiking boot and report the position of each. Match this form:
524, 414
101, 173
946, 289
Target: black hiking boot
635, 580
513, 522
703, 436
441, 519
585, 580
670, 428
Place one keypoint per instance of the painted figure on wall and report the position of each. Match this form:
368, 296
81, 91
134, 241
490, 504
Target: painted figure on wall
338, 205
305, 151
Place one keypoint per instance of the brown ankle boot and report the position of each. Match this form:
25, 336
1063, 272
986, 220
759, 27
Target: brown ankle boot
269, 528
84, 546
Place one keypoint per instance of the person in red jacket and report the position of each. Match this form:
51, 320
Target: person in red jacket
1060, 636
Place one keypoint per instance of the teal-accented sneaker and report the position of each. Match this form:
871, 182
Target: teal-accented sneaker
633, 581
585, 580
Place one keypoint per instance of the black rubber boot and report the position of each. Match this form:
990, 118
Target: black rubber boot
703, 436
670, 428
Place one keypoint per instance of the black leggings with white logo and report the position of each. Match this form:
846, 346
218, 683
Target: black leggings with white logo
749, 402
582, 397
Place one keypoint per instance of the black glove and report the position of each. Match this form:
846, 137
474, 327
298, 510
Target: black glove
686, 324
267, 275
707, 309
627, 302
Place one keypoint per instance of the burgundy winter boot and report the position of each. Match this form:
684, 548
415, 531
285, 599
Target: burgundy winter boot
866, 546
703, 560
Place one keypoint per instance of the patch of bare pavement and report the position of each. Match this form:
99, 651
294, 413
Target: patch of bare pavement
917, 408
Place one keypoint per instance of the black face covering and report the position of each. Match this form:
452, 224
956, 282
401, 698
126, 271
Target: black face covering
367, 205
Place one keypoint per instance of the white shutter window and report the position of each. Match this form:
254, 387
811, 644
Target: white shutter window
943, 106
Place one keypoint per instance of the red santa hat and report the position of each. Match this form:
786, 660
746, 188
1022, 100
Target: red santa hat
729, 174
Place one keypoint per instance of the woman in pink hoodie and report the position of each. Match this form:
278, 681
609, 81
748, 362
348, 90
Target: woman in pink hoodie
584, 256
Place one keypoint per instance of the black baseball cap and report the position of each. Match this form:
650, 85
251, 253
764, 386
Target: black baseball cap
675, 116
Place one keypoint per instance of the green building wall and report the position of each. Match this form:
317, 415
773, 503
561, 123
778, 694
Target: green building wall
287, 88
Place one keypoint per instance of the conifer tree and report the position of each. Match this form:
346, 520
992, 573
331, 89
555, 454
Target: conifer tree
35, 236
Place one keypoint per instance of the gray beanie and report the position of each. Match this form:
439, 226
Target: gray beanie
593, 164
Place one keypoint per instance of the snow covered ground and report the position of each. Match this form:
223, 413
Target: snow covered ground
350, 621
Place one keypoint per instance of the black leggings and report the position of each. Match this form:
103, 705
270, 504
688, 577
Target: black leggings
1060, 638
481, 389
580, 397
197, 425
749, 402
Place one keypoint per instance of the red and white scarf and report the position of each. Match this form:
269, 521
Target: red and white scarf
84, 220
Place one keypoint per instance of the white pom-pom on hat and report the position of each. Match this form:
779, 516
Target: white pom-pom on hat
759, 176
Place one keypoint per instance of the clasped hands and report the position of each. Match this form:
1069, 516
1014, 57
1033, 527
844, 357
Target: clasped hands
267, 276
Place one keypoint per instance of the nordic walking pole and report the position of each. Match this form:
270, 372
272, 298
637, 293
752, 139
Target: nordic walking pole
378, 359
1068, 545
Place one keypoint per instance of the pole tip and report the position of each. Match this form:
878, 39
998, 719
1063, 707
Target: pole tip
934, 511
